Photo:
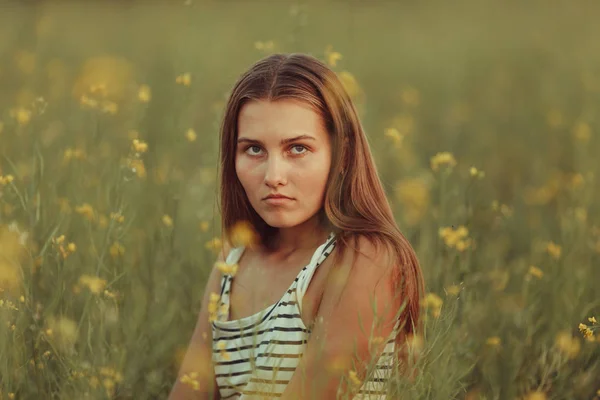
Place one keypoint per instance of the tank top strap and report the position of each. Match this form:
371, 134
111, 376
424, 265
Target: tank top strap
305, 276
232, 258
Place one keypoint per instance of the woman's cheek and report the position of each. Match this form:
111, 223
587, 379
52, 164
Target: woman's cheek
247, 169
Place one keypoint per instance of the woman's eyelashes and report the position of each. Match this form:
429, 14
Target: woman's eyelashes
295, 150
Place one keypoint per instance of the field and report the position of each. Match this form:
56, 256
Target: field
483, 119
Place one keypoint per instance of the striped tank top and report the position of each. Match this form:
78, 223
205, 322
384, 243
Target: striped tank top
256, 356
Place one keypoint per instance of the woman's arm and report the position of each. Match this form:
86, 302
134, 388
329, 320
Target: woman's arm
198, 358
359, 295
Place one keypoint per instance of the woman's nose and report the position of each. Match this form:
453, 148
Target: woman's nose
275, 174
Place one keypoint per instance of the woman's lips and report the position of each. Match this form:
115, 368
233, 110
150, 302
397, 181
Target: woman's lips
277, 200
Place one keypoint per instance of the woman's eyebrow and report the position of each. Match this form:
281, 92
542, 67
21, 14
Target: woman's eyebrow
283, 141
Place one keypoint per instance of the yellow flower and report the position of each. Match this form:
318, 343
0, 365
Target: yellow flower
443, 158
95, 284
592, 320
22, 115
535, 271
71, 153
167, 220
576, 180
350, 83
227, 269
102, 221
117, 217
144, 93
475, 173
332, 56
434, 303
116, 250
105, 76
415, 343
243, 234
554, 250
544, 194
582, 131
221, 347
63, 330
404, 123
567, 344
94, 382
452, 290
395, 135
71, 247
190, 380
204, 225
99, 89
493, 341
110, 107
5, 180
139, 146
462, 245
111, 373
138, 167
587, 332
535, 395
462, 231
354, 378
413, 194
86, 210
109, 385
88, 101
184, 79
191, 135
377, 340
456, 238
264, 46
214, 244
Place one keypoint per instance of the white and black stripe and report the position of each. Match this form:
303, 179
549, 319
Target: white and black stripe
261, 352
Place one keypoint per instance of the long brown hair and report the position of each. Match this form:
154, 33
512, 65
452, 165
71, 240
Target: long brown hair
355, 202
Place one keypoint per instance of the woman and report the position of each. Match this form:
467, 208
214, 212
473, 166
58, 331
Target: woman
321, 303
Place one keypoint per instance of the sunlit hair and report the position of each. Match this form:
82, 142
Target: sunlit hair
355, 202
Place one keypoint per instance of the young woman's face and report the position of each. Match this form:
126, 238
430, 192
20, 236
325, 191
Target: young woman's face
283, 149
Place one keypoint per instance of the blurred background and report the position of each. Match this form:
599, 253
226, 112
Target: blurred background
483, 120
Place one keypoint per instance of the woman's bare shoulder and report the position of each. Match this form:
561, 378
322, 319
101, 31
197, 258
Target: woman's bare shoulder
371, 249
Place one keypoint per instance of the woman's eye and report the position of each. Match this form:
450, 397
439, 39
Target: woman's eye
300, 149
250, 151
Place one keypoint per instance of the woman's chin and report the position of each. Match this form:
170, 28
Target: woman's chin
279, 221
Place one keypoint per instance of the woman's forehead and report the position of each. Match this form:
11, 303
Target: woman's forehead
261, 120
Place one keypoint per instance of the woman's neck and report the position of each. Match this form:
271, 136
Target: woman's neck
304, 236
